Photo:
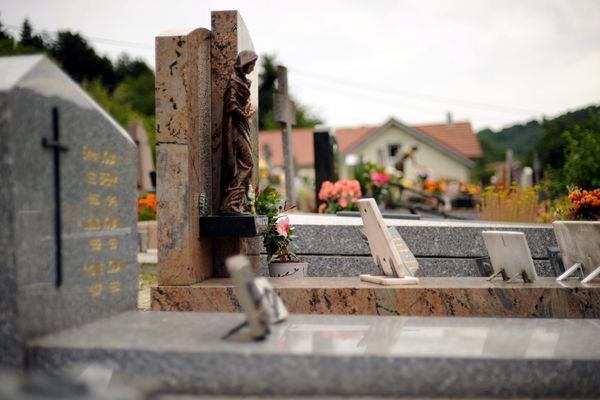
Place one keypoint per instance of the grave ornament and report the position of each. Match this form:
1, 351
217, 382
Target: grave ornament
257, 298
386, 250
237, 151
510, 255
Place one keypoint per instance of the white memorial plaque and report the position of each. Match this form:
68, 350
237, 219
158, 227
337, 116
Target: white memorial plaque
384, 248
510, 255
579, 243
257, 298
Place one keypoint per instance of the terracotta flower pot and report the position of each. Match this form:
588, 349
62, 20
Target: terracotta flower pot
289, 270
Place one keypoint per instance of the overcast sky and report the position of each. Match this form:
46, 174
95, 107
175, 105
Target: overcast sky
359, 62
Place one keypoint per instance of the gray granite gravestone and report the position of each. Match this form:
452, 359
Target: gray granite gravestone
68, 216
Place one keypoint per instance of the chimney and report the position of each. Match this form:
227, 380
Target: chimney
449, 121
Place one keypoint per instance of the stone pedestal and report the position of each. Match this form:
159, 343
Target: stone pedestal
183, 155
432, 297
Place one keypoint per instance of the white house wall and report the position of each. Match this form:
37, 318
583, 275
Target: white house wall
439, 163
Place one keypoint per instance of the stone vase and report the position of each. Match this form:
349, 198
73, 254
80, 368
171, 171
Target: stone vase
288, 270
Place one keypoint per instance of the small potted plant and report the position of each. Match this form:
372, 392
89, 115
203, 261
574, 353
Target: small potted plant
283, 263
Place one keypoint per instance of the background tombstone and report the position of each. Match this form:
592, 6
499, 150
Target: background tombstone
145, 165
324, 143
229, 37
68, 262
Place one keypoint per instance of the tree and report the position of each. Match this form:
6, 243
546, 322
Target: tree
28, 39
3, 33
582, 165
266, 88
80, 61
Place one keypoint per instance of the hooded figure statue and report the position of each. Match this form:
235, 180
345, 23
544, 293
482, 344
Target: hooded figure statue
237, 161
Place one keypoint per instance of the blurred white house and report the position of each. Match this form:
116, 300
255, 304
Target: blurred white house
446, 150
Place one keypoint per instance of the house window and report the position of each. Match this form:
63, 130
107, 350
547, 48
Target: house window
393, 152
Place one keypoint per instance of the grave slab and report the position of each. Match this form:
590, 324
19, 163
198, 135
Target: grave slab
68, 230
312, 355
466, 297
332, 235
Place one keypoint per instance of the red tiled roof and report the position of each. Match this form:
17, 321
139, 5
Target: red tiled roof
460, 139
302, 146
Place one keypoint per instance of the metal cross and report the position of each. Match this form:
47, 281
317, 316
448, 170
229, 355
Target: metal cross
57, 147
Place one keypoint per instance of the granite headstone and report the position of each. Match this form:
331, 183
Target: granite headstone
68, 217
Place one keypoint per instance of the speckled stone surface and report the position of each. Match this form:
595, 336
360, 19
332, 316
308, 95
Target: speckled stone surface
436, 238
331, 266
311, 355
183, 159
545, 298
97, 200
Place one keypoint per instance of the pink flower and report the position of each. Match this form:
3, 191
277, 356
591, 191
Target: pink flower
326, 189
322, 208
343, 202
282, 225
380, 178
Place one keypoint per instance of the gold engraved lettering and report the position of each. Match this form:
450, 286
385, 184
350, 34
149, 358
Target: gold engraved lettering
109, 158
89, 155
91, 178
108, 180
93, 199
114, 287
92, 270
92, 224
115, 266
95, 289
95, 244
113, 243
112, 201
112, 223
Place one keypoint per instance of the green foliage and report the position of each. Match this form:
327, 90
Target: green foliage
78, 59
28, 39
267, 203
582, 165
569, 151
276, 244
521, 138
266, 88
552, 144
125, 90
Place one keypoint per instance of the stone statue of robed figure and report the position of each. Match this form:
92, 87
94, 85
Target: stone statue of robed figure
237, 162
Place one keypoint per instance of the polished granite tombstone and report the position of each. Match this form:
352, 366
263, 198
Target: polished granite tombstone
473, 297
333, 246
70, 261
310, 355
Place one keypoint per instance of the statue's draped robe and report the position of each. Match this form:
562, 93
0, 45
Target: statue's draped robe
237, 153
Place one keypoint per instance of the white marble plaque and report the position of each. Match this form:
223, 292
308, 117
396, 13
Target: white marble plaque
386, 248
579, 243
510, 253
